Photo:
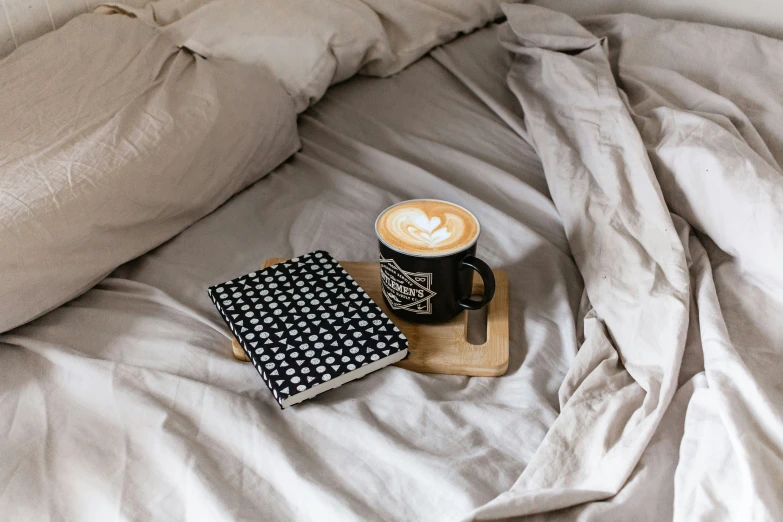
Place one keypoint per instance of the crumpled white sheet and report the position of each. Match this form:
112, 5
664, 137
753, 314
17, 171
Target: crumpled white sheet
126, 403
683, 345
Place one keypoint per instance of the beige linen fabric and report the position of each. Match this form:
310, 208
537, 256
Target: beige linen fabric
310, 45
102, 159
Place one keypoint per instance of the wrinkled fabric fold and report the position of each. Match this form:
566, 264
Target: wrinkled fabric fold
309, 46
624, 143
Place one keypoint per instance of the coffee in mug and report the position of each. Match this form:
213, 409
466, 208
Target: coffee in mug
427, 257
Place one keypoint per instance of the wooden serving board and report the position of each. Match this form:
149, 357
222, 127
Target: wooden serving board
439, 348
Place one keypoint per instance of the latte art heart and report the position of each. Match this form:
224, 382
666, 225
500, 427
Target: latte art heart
427, 227
431, 238
427, 231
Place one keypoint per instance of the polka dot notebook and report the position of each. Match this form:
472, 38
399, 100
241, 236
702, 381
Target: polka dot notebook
307, 326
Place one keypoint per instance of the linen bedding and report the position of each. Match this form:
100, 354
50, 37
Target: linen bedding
126, 403
179, 106
104, 158
632, 191
310, 45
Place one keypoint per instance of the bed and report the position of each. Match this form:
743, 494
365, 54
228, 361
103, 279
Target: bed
644, 317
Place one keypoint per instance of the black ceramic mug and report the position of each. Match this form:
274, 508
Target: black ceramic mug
428, 259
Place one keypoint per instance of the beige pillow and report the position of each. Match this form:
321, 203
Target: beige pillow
112, 141
309, 45
25, 20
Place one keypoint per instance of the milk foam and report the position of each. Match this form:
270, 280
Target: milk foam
427, 227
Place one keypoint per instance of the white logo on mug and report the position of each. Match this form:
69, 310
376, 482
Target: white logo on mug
406, 290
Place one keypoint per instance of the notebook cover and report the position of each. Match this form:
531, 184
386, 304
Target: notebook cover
306, 322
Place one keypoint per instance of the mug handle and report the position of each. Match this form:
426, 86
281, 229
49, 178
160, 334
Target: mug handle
486, 274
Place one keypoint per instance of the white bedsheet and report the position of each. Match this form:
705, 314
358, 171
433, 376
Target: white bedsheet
127, 403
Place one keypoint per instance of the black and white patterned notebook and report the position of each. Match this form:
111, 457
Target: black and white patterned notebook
307, 326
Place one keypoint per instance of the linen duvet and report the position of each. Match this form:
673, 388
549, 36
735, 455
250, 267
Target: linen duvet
627, 177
